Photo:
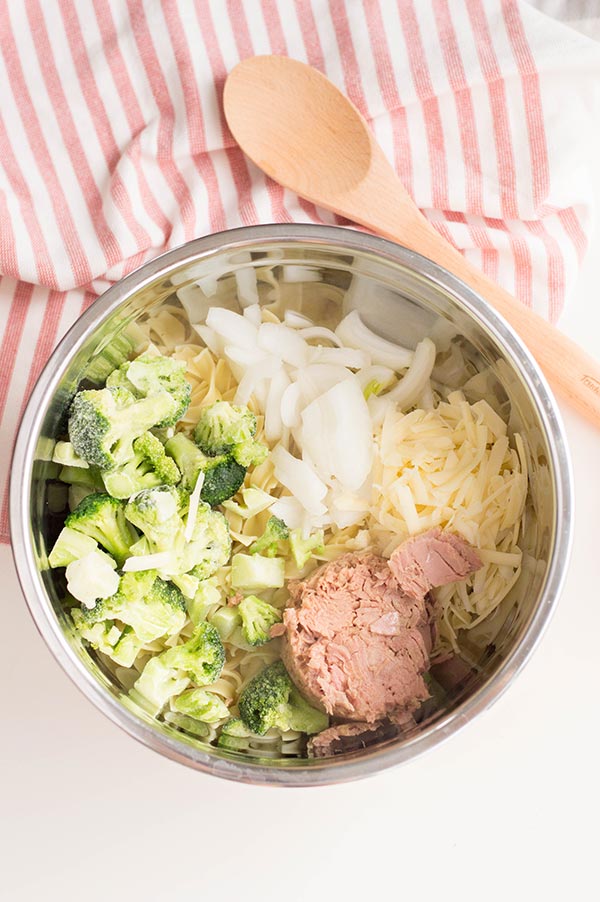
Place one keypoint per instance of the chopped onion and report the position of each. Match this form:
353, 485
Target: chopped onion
301, 480
233, 327
316, 379
193, 507
337, 434
296, 320
253, 313
245, 356
352, 358
290, 406
273, 418
354, 334
254, 374
414, 383
320, 332
285, 343
375, 379
247, 285
210, 338
289, 510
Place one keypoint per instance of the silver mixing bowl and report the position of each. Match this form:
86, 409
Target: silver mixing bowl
399, 294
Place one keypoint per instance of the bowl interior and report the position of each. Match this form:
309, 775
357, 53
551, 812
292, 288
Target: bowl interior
399, 296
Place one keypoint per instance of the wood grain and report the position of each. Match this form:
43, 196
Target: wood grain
305, 134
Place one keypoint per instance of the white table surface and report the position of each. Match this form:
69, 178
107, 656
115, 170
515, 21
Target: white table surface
507, 809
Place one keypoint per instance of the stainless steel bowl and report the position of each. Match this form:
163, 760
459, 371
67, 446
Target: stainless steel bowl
401, 295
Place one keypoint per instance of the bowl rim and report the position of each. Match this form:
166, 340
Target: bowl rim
319, 771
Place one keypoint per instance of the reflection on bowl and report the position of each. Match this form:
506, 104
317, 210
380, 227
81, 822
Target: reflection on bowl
322, 273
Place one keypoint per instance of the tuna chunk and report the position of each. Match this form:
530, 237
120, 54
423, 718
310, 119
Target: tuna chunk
355, 643
431, 559
349, 737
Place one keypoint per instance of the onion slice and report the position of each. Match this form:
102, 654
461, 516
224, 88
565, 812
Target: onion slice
354, 334
414, 383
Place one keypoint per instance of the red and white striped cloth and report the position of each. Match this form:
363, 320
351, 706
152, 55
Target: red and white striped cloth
113, 145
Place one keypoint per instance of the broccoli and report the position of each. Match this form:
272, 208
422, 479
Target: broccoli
155, 512
254, 501
91, 577
250, 453
70, 546
223, 425
200, 659
271, 700
90, 477
235, 735
123, 646
302, 549
268, 544
201, 705
207, 595
149, 605
210, 545
121, 346
257, 619
149, 467
64, 454
150, 375
252, 571
186, 583
103, 519
222, 474
222, 480
103, 423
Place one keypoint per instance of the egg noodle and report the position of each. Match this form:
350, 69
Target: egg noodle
447, 463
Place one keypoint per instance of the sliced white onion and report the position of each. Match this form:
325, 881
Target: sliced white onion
290, 406
233, 327
253, 314
312, 332
245, 356
193, 508
289, 510
337, 434
296, 320
254, 374
316, 379
415, 381
284, 342
210, 338
273, 419
247, 286
159, 561
292, 272
352, 358
382, 376
301, 480
354, 334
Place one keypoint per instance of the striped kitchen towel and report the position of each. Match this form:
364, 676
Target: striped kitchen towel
113, 145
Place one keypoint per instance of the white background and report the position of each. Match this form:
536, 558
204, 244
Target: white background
507, 809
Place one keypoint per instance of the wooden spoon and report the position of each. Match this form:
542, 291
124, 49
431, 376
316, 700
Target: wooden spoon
305, 134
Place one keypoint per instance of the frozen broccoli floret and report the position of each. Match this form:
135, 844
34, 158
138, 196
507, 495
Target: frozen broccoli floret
268, 544
103, 519
186, 583
235, 735
206, 596
223, 476
150, 375
149, 467
258, 617
92, 577
150, 605
90, 477
271, 700
223, 425
103, 423
210, 545
250, 453
64, 454
70, 546
200, 660
121, 347
123, 646
201, 705
253, 571
302, 549
189, 459
156, 513
222, 480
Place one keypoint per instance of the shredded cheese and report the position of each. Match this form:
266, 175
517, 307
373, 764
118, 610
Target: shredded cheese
193, 508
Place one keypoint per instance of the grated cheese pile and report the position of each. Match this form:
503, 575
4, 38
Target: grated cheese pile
453, 467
